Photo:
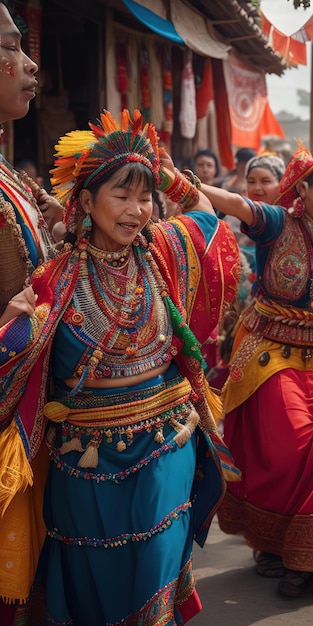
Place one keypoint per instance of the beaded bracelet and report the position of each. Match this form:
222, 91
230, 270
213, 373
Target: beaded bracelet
179, 188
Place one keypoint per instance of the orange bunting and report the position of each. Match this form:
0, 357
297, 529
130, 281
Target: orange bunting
291, 48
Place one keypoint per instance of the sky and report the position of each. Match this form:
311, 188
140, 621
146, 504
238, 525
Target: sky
282, 91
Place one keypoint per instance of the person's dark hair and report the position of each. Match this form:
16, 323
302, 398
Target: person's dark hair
133, 172
18, 21
245, 154
211, 154
156, 198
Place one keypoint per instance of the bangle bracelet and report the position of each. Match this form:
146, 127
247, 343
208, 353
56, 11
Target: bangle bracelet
179, 189
194, 179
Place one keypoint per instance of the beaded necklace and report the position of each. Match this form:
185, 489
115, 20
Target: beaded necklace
122, 289
115, 259
122, 317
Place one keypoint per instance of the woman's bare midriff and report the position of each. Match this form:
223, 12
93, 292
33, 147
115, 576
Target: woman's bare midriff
125, 381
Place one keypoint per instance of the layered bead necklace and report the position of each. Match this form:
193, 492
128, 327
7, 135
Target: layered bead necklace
114, 259
122, 315
121, 281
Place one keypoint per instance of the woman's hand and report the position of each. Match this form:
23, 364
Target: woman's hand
23, 302
50, 208
166, 161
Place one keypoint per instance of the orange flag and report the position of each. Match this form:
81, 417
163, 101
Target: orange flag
297, 52
266, 25
289, 48
280, 42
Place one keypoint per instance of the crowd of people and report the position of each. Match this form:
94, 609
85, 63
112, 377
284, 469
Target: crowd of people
112, 459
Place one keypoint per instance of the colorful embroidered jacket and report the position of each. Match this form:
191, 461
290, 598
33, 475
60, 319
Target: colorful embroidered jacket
197, 257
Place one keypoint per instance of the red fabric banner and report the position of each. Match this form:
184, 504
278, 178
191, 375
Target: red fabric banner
224, 127
204, 91
250, 113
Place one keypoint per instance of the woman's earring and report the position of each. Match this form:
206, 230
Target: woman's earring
86, 229
87, 223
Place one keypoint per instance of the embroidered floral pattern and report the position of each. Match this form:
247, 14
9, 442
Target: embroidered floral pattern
287, 270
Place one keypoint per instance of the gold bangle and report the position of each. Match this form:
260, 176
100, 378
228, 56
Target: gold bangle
194, 179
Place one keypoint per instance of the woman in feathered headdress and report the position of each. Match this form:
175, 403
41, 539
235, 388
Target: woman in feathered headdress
268, 395
111, 358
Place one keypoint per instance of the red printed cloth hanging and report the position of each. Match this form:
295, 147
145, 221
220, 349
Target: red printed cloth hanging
250, 113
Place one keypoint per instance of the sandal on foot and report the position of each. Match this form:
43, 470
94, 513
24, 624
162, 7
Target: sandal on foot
294, 583
269, 565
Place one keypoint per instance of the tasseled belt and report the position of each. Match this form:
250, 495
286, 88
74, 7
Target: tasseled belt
125, 419
122, 413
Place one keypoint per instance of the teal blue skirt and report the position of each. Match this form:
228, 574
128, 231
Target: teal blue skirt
119, 541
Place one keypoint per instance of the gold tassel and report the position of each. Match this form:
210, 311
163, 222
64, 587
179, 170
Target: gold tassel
55, 411
15, 471
72, 444
90, 457
159, 437
121, 446
184, 431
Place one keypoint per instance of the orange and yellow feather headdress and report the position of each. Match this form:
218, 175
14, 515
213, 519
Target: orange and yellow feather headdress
84, 157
